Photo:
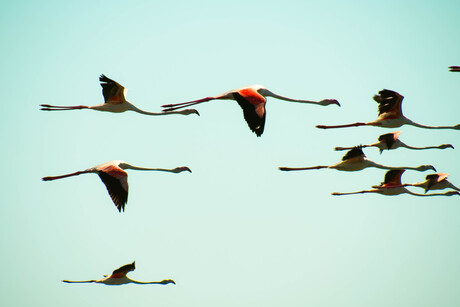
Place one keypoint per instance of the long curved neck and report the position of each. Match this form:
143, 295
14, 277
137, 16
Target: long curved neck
137, 168
420, 148
426, 195
65, 176
163, 282
409, 122
373, 164
271, 94
136, 109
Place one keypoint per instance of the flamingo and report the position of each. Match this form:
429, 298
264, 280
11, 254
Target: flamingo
115, 178
392, 186
435, 182
252, 100
355, 160
390, 114
119, 277
390, 141
114, 101
454, 68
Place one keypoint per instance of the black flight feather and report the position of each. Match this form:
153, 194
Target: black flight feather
255, 123
116, 191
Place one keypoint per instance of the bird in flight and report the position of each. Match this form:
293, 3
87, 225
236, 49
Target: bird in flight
252, 100
355, 160
435, 182
390, 114
115, 178
119, 277
114, 101
391, 141
392, 186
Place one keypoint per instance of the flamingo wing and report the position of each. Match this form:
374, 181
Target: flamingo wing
122, 271
356, 152
434, 179
116, 181
389, 102
254, 112
388, 139
113, 91
393, 177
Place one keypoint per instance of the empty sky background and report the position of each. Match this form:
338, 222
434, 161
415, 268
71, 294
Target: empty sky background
235, 232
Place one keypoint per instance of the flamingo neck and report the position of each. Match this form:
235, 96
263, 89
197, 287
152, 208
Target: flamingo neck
412, 123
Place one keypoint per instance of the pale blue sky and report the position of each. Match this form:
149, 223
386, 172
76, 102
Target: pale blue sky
235, 232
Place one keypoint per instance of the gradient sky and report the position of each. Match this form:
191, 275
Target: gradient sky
235, 232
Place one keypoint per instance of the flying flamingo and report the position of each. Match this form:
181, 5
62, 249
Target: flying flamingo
119, 277
114, 101
392, 186
115, 178
390, 114
252, 100
355, 160
435, 182
454, 68
390, 141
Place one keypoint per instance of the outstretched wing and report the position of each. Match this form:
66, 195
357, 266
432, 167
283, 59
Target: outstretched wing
113, 91
393, 177
122, 271
357, 151
254, 113
389, 102
116, 181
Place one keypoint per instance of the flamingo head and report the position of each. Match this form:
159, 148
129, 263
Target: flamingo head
450, 193
182, 169
443, 146
426, 167
326, 102
190, 111
167, 281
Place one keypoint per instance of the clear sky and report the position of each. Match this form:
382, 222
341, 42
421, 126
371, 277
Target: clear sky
235, 232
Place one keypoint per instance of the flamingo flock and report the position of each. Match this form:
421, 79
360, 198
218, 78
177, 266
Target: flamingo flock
252, 100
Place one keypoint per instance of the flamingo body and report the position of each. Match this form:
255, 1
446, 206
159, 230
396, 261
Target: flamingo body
252, 99
391, 186
355, 160
390, 114
391, 141
114, 101
435, 182
119, 277
115, 178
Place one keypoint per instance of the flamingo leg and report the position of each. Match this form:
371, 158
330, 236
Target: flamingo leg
341, 126
172, 107
286, 169
47, 107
